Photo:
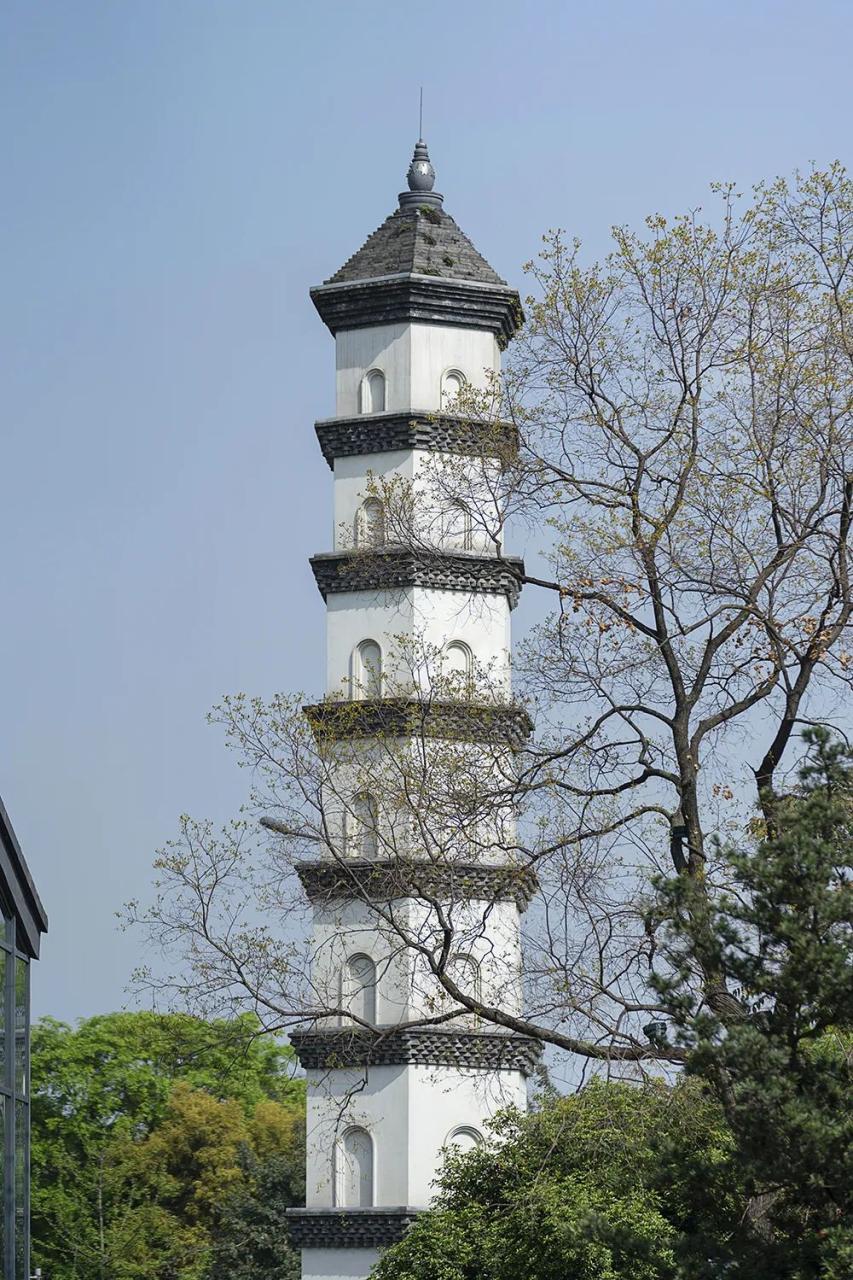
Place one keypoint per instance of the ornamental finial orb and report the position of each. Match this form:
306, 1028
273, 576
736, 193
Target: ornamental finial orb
421, 180
421, 175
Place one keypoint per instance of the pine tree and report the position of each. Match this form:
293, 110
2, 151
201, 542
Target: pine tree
778, 1056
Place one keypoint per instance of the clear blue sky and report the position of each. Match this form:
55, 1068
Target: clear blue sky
176, 174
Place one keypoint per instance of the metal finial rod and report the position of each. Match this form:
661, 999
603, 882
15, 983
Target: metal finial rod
421, 115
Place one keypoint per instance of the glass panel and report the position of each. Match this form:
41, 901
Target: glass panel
22, 974
4, 1074
5, 1209
21, 1216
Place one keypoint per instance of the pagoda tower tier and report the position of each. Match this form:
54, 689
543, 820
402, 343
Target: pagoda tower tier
417, 315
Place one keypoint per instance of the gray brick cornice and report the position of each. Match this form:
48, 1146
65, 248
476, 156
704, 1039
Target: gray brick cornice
349, 1228
332, 880
502, 724
394, 568
416, 1046
422, 299
435, 433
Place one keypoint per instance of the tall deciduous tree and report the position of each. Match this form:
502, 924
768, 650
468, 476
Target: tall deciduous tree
677, 423
143, 1126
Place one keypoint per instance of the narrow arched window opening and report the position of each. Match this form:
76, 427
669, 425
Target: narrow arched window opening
370, 523
373, 392
452, 384
464, 1139
465, 972
367, 671
359, 987
362, 827
354, 1171
459, 527
459, 669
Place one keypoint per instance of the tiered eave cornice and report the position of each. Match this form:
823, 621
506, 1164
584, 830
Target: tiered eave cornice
393, 569
416, 1046
506, 724
433, 433
420, 299
391, 880
349, 1228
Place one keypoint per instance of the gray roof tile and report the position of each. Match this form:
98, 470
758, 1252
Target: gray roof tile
422, 241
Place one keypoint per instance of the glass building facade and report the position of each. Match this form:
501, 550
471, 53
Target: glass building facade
23, 923
15, 1104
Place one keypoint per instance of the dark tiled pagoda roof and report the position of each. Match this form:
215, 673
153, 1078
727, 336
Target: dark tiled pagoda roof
426, 241
419, 267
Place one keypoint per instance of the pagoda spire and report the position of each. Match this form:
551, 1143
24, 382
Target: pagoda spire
421, 180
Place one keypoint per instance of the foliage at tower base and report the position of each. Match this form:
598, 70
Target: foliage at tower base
780, 1058
162, 1148
744, 1169
615, 1181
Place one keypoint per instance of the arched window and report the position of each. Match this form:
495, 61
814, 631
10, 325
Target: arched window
354, 1171
367, 671
464, 1139
465, 972
458, 527
370, 523
452, 382
459, 669
373, 392
362, 827
359, 987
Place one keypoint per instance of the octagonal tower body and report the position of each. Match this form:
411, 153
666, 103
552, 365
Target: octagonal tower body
416, 314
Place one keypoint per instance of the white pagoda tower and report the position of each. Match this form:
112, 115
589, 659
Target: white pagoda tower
416, 314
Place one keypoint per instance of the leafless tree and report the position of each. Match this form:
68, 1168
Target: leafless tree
679, 420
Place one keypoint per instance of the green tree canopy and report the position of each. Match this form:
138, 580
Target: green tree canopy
146, 1127
779, 1057
614, 1181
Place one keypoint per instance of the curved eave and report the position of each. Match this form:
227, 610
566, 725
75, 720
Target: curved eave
422, 299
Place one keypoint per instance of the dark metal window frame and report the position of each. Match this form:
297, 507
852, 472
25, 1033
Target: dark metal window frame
15, 1103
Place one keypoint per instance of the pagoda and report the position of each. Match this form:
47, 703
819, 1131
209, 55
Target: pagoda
418, 316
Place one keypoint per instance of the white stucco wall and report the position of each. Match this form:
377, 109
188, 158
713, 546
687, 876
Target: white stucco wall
337, 1264
417, 623
352, 477
488, 932
413, 359
432, 482
410, 1112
